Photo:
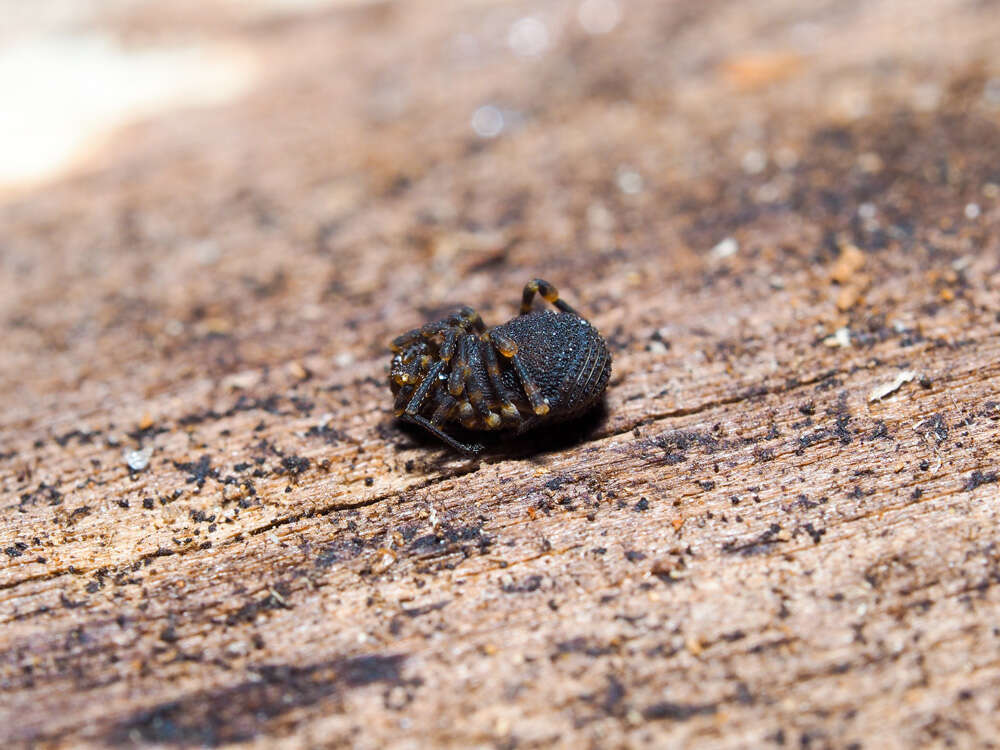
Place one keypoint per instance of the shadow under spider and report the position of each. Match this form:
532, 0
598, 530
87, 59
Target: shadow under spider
509, 445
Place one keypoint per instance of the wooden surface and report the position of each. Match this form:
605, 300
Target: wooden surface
770, 210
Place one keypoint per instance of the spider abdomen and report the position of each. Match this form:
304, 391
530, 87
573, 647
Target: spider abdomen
566, 357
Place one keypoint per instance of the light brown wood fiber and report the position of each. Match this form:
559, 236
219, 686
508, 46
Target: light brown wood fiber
742, 550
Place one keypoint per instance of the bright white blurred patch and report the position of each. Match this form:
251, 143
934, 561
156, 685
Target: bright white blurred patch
528, 37
972, 211
487, 121
629, 181
599, 16
138, 460
61, 94
726, 248
754, 161
841, 337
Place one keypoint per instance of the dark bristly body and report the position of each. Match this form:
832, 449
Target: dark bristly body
538, 368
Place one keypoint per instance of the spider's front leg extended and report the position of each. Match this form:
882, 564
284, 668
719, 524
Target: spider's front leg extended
549, 294
467, 449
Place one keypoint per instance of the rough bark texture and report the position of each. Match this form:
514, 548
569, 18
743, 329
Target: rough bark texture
770, 210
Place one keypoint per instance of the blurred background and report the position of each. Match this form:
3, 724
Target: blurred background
115, 61
75, 70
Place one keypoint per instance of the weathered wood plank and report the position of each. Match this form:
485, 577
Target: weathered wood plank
743, 549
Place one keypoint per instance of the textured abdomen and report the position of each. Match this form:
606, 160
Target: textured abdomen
567, 359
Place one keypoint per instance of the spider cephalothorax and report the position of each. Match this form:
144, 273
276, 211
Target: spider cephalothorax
539, 367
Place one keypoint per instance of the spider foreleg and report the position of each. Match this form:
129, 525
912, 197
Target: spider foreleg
468, 449
420, 395
549, 294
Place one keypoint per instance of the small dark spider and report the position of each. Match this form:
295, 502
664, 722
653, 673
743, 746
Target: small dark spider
553, 366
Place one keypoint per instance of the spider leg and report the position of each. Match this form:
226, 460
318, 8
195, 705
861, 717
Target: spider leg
474, 321
404, 371
399, 343
446, 405
459, 368
507, 409
456, 380
425, 331
467, 449
404, 374
402, 399
539, 404
508, 348
459, 358
549, 294
463, 318
448, 346
474, 385
420, 395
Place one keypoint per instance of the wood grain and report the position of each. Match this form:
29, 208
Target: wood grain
770, 210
